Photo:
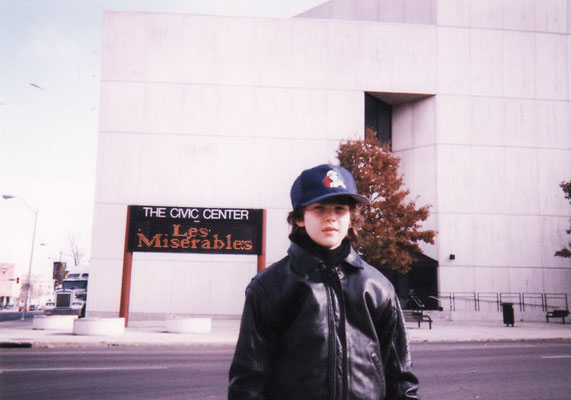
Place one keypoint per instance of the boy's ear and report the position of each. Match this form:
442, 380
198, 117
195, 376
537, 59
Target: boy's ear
300, 223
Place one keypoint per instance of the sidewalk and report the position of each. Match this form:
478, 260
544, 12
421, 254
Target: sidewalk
225, 332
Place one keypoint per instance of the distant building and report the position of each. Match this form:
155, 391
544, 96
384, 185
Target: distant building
9, 285
206, 111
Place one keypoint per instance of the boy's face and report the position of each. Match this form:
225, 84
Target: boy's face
326, 224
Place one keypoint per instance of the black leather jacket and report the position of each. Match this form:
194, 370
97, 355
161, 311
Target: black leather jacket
312, 332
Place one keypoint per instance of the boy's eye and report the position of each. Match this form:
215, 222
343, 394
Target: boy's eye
321, 208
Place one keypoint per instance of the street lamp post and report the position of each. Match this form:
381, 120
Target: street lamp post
35, 212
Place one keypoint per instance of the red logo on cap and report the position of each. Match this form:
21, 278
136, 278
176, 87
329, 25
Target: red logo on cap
333, 180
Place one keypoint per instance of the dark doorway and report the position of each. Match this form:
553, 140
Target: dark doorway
378, 118
421, 280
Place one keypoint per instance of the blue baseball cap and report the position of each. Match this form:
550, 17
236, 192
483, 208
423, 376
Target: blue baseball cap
322, 182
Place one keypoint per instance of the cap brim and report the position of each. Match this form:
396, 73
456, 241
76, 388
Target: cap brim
357, 197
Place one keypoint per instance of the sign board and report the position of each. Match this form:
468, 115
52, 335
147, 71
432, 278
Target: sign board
195, 230
59, 270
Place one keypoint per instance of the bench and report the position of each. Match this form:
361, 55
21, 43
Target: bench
557, 314
417, 316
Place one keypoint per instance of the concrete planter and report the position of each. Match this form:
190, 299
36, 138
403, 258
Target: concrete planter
189, 325
54, 322
99, 326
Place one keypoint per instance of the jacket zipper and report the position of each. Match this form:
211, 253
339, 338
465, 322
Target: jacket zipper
332, 334
333, 279
337, 276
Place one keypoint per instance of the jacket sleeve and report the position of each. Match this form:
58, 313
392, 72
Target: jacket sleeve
250, 368
402, 384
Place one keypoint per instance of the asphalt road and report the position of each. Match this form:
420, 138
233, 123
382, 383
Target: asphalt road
487, 371
494, 371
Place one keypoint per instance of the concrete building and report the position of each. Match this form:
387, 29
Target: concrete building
205, 111
9, 286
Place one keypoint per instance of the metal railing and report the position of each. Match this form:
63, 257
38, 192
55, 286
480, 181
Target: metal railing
439, 301
485, 297
556, 296
465, 296
511, 298
530, 301
442, 296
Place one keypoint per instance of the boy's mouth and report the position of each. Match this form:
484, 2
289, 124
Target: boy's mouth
329, 229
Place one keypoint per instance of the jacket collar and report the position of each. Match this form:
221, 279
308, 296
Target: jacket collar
307, 262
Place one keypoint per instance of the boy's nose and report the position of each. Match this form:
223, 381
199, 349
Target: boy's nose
329, 214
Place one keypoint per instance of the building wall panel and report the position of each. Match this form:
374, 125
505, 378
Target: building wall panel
551, 67
225, 112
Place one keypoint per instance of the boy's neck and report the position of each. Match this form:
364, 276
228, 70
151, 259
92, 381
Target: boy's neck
331, 257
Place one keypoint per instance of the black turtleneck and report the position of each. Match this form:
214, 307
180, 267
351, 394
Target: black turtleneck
331, 258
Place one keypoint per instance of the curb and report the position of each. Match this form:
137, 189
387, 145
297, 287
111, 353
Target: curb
47, 344
60, 345
16, 345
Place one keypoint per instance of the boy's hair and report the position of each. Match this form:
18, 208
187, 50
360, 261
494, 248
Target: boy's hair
355, 210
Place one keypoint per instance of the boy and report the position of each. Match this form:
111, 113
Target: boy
321, 323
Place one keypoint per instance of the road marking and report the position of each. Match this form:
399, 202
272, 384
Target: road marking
81, 369
562, 356
70, 352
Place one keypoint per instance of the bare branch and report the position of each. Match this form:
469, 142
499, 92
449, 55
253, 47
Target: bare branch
76, 249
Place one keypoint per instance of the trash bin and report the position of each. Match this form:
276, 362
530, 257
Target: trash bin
508, 311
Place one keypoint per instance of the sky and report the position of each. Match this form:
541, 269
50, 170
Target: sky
50, 58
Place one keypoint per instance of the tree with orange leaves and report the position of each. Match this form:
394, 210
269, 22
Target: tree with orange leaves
565, 252
392, 225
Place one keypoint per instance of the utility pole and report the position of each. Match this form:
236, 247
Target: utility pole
29, 284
